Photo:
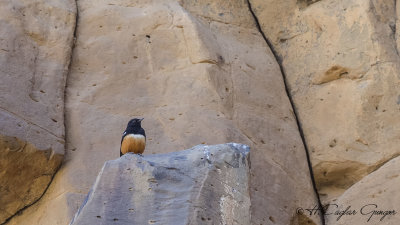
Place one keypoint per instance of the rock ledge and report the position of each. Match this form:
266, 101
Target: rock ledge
201, 185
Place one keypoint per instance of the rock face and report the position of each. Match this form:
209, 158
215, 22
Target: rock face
25, 174
35, 49
202, 185
375, 198
342, 67
198, 73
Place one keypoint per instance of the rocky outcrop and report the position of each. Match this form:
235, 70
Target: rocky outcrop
341, 63
202, 185
199, 72
35, 49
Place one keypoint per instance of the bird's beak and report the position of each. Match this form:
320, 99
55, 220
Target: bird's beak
140, 120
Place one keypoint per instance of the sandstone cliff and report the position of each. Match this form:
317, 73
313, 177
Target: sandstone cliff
342, 63
286, 78
35, 50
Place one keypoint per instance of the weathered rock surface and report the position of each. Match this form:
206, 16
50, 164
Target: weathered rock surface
373, 197
35, 49
25, 174
342, 67
202, 185
198, 73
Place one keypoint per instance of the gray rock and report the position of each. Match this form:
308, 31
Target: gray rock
201, 185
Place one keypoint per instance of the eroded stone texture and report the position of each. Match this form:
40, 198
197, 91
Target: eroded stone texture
342, 67
25, 174
375, 198
202, 185
198, 74
35, 46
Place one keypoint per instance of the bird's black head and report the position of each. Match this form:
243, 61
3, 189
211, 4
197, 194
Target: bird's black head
135, 122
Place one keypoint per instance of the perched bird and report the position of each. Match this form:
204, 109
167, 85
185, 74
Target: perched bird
134, 138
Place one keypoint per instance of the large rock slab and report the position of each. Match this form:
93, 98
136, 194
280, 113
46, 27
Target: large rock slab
342, 67
202, 185
198, 72
36, 38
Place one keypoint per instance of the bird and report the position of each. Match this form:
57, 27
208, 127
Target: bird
134, 138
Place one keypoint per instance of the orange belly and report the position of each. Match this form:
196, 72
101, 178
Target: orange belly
133, 143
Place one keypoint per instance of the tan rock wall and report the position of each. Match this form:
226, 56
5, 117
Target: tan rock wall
35, 49
25, 174
36, 40
198, 73
342, 67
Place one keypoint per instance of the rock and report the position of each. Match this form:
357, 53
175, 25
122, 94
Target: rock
342, 68
25, 174
375, 198
35, 50
202, 185
198, 74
